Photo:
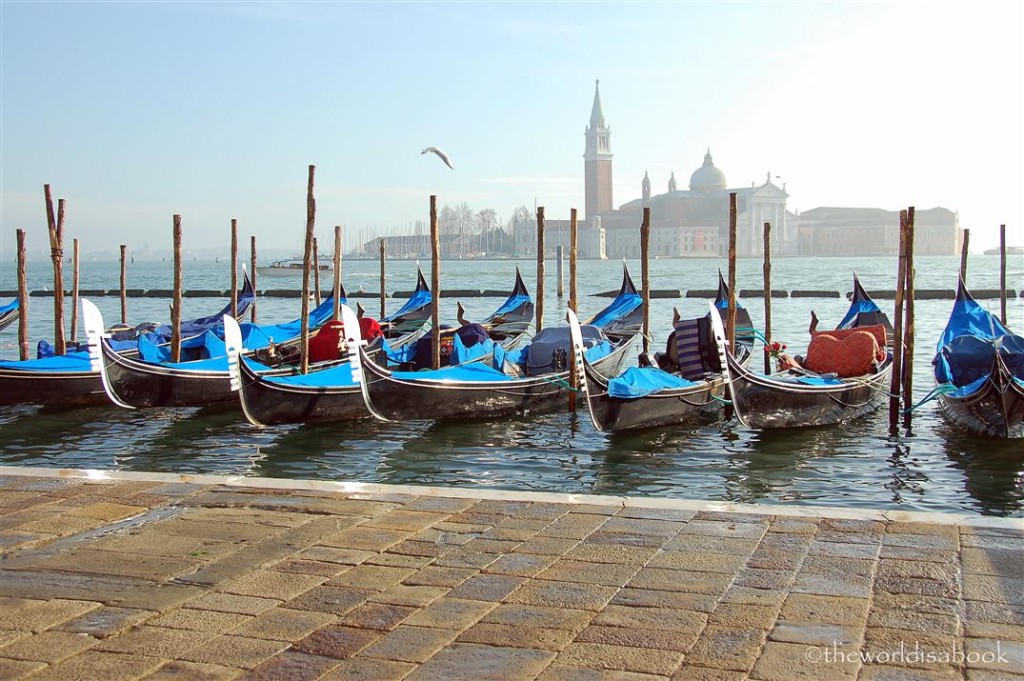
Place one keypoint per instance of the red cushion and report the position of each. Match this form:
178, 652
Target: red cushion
851, 355
326, 344
878, 331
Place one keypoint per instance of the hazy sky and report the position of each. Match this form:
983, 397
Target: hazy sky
136, 111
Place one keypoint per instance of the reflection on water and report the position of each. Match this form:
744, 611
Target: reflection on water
935, 468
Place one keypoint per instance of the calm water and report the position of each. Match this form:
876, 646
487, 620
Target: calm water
932, 468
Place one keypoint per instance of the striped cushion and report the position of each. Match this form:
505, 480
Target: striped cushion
691, 364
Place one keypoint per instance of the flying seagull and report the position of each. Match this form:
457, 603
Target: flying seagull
440, 154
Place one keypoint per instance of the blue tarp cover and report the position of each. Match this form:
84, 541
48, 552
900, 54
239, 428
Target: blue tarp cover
71, 362
418, 300
339, 375
639, 382
13, 305
970, 319
468, 373
618, 309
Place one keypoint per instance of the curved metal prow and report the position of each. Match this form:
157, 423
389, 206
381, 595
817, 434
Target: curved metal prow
357, 355
578, 364
234, 347
92, 318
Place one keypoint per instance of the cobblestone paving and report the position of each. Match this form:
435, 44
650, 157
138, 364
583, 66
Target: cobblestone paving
150, 579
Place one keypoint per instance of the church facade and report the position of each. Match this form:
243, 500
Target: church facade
694, 221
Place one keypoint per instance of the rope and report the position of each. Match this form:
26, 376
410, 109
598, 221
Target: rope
943, 389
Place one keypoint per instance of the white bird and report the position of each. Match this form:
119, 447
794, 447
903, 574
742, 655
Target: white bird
440, 154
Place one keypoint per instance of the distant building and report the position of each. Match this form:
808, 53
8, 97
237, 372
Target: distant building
874, 231
694, 222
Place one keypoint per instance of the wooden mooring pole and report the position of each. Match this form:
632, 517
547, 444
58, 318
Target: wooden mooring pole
56, 230
963, 255
573, 234
234, 268
307, 254
540, 269
897, 338
435, 286
176, 300
1002, 274
316, 272
22, 297
767, 271
74, 290
559, 260
252, 274
908, 327
336, 288
124, 283
730, 330
573, 379
645, 277
383, 292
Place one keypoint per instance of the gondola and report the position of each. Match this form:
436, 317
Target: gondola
331, 394
135, 383
979, 371
515, 315
648, 396
71, 380
622, 317
491, 389
8, 313
414, 314
798, 397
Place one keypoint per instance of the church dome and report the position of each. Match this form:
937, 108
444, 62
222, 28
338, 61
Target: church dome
707, 178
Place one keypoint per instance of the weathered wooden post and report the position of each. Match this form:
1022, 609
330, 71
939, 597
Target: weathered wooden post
559, 259
306, 255
435, 286
234, 268
252, 274
897, 337
645, 277
336, 289
316, 273
908, 327
1002, 274
573, 303
767, 270
176, 300
383, 292
22, 297
731, 328
74, 290
963, 255
56, 230
540, 269
124, 284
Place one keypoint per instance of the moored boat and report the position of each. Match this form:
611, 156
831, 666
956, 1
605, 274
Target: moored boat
8, 313
331, 393
846, 378
979, 371
72, 380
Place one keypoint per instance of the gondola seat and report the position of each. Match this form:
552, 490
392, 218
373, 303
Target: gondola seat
852, 354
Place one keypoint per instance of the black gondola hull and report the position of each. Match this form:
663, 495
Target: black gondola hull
72, 389
664, 408
139, 384
269, 403
997, 410
760, 402
404, 400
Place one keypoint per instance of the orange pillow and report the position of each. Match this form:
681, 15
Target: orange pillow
852, 355
877, 330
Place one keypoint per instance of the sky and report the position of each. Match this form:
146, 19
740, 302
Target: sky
136, 111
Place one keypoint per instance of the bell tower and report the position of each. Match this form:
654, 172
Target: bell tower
597, 160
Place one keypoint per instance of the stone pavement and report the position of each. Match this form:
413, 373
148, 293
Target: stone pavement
150, 576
